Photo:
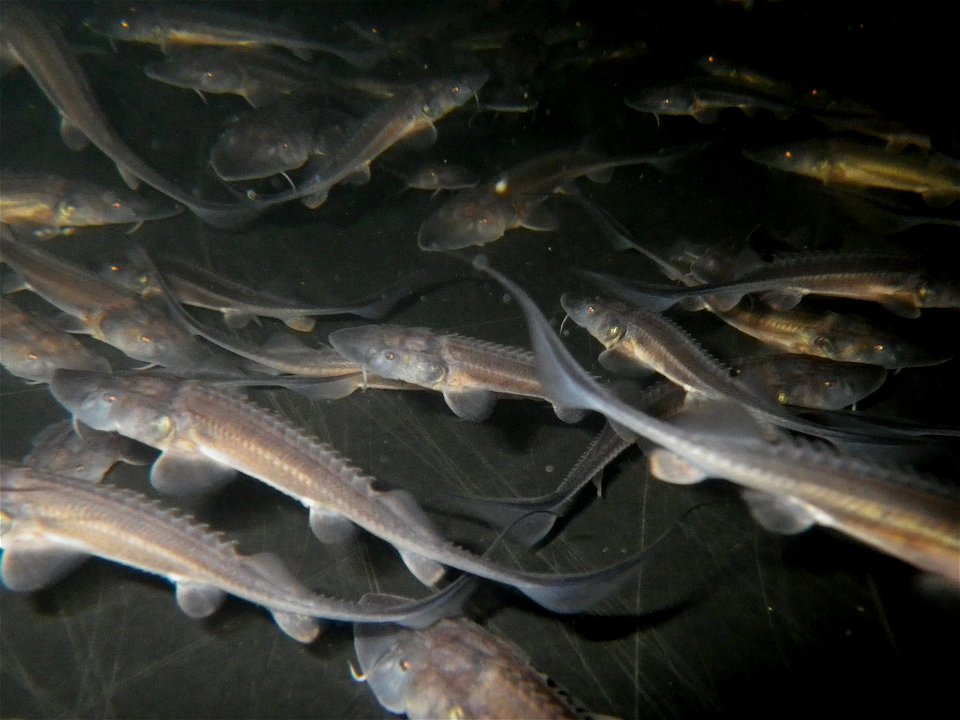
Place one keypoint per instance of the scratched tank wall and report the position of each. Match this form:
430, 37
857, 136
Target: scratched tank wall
725, 619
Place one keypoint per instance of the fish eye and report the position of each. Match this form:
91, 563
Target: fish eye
456, 713
285, 145
425, 109
456, 88
788, 155
879, 347
823, 344
404, 665
146, 339
116, 204
125, 24
613, 332
390, 355
33, 356
923, 293
591, 310
109, 398
782, 397
115, 268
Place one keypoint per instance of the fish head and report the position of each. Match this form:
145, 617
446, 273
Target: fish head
466, 220
601, 318
151, 337
398, 353
248, 150
137, 406
382, 654
811, 158
109, 207
669, 100
200, 70
446, 94
133, 24
127, 274
39, 360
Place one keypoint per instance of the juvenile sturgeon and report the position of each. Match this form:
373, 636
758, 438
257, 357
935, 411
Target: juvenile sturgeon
108, 312
897, 283
470, 373
205, 435
454, 669
33, 348
36, 43
52, 523
790, 485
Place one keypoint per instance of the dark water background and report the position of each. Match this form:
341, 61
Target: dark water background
725, 619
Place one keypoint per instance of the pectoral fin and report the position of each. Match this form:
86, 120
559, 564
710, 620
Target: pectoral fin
782, 299
670, 467
199, 601
472, 405
132, 181
409, 512
188, 474
236, 319
569, 415
27, 569
301, 628
72, 136
330, 527
300, 324
315, 200
901, 307
539, 218
782, 515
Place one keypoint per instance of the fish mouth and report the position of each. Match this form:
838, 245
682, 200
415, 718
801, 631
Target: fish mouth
357, 344
575, 306
72, 387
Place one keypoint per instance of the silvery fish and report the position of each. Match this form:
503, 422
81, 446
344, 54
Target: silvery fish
170, 25
935, 177
35, 41
110, 313
50, 205
454, 669
52, 523
899, 284
470, 373
516, 198
790, 485
33, 348
205, 435
409, 113
72, 449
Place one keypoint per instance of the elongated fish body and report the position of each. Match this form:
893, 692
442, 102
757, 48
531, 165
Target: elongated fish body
897, 283
86, 455
843, 162
52, 205
811, 382
514, 199
257, 76
52, 523
108, 312
239, 304
205, 434
639, 337
277, 139
470, 373
33, 348
411, 112
845, 337
35, 41
703, 100
173, 25
793, 484
454, 669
